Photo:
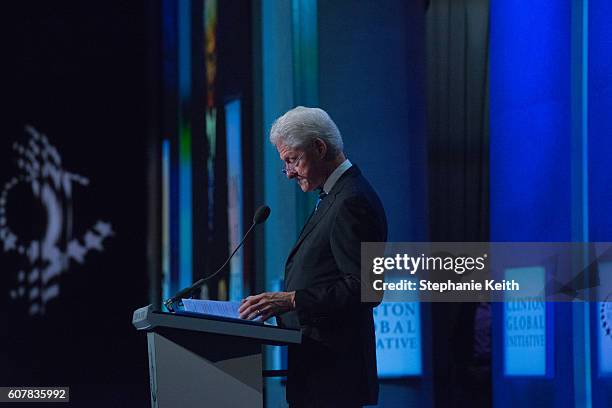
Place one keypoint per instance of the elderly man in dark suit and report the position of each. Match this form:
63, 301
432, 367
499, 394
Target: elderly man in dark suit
335, 366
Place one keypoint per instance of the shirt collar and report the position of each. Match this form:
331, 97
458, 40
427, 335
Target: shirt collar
333, 178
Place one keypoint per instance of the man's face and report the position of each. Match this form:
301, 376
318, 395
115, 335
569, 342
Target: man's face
302, 165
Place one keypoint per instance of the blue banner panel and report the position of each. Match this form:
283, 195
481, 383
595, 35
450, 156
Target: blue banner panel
600, 125
600, 181
604, 327
398, 339
525, 340
530, 108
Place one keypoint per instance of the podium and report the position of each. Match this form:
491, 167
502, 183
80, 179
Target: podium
206, 361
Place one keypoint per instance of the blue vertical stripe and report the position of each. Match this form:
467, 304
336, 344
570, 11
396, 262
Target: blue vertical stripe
585, 119
185, 168
580, 197
166, 287
586, 329
233, 129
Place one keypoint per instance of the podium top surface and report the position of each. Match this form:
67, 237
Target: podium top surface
148, 319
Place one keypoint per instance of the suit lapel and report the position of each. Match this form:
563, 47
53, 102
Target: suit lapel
325, 205
312, 213
314, 220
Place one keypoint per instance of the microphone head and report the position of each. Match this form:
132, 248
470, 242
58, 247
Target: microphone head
261, 215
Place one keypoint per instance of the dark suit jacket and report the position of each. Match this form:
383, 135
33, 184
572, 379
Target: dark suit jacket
336, 363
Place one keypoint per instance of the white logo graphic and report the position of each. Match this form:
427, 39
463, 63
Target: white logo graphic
40, 166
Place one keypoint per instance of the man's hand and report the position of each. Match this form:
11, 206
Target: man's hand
266, 305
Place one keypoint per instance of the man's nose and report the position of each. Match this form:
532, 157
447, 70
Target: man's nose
291, 174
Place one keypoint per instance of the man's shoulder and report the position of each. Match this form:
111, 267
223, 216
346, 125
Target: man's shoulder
358, 203
355, 185
357, 192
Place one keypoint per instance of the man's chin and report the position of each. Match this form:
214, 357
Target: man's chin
304, 186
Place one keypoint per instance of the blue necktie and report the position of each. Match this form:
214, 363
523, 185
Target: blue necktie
322, 195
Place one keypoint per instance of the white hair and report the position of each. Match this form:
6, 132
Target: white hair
299, 127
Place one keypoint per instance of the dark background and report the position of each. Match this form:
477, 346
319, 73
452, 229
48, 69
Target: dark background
77, 72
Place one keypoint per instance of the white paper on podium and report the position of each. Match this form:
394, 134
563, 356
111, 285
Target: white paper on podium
216, 308
212, 307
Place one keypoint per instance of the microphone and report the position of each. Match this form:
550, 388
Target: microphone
261, 215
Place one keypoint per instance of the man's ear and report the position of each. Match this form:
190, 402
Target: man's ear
320, 147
